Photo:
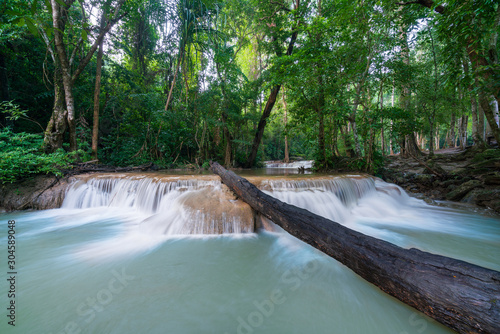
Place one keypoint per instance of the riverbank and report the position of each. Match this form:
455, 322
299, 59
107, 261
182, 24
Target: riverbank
40, 192
465, 176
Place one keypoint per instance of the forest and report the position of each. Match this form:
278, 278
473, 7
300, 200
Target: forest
178, 83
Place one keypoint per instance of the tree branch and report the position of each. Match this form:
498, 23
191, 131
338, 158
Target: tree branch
98, 40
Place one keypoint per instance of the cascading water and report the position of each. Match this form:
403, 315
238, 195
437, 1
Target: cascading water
172, 205
132, 254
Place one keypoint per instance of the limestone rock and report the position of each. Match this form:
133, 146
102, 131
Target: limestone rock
462, 190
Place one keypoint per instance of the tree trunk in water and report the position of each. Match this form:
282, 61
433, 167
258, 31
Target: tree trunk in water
97, 92
458, 294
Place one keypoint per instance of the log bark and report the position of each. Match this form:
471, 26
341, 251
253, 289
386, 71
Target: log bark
463, 296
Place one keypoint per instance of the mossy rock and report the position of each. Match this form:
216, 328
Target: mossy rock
434, 165
425, 179
473, 196
491, 153
488, 163
492, 179
477, 171
460, 191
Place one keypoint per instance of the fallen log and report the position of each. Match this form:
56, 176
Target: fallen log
463, 296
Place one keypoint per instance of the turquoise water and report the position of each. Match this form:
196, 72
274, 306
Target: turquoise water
101, 270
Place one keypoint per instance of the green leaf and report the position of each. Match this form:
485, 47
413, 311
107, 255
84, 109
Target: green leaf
48, 5
11, 12
21, 23
61, 2
31, 25
84, 34
33, 7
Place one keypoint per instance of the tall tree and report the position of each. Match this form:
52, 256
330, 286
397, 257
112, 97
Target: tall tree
66, 71
274, 31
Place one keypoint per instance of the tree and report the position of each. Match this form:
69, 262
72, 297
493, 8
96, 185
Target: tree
475, 27
274, 26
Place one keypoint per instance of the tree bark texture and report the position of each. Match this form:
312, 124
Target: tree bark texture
285, 119
262, 125
54, 134
97, 92
460, 295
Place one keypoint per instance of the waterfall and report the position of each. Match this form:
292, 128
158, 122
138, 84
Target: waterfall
172, 205
202, 205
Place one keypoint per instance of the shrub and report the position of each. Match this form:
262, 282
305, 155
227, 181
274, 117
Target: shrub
21, 156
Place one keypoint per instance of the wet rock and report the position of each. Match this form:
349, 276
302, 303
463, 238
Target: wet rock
40, 193
460, 191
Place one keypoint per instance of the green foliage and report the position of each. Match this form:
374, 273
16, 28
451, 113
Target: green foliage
13, 111
21, 156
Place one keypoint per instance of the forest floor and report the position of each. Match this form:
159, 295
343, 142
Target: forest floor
468, 176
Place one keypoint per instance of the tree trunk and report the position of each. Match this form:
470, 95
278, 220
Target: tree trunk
453, 141
484, 98
382, 139
321, 120
262, 125
463, 131
476, 136
409, 147
431, 139
54, 134
181, 56
458, 294
97, 92
4, 86
437, 146
321, 138
287, 156
480, 120
228, 140
269, 105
